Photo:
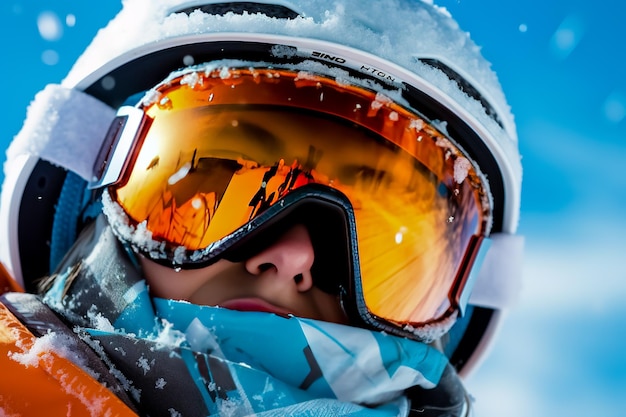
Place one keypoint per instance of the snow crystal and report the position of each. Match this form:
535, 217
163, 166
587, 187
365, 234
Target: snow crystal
4, 411
434, 331
188, 60
168, 336
462, 167
196, 203
380, 101
50, 57
225, 73
108, 83
98, 321
179, 255
180, 174
283, 51
126, 383
192, 80
145, 365
417, 124
42, 353
59, 343
160, 383
165, 103
151, 97
49, 25
305, 75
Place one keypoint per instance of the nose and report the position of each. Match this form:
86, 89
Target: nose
290, 258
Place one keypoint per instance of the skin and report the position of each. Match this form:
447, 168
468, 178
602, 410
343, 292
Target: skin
277, 279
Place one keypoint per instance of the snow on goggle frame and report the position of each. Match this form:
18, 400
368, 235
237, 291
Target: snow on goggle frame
213, 150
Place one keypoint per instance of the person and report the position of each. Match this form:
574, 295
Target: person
260, 208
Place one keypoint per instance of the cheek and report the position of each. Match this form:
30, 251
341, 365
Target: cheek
167, 283
329, 308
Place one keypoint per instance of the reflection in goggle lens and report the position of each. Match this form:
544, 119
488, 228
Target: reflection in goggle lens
220, 151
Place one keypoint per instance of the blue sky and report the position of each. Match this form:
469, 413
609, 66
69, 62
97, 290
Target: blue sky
562, 65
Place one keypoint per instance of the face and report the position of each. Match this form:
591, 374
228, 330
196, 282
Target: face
277, 279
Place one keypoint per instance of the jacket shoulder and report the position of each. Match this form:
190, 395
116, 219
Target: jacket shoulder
40, 378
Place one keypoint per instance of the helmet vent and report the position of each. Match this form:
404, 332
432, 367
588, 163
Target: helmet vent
239, 7
465, 86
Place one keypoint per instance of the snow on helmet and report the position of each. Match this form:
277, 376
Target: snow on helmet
427, 66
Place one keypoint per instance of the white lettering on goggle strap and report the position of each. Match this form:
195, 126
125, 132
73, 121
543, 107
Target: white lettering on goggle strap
367, 69
350, 63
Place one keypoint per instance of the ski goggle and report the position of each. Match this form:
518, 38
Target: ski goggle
211, 156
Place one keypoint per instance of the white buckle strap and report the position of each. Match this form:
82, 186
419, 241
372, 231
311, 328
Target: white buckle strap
64, 126
499, 280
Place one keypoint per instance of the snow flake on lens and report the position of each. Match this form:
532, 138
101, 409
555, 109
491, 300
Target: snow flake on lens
399, 237
379, 102
430, 332
180, 174
306, 75
165, 103
462, 167
193, 80
150, 98
179, 257
417, 124
225, 73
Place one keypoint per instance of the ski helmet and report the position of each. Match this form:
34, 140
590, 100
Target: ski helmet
427, 74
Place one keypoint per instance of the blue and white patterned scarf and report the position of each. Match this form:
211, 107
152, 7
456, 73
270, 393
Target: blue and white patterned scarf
174, 358
236, 363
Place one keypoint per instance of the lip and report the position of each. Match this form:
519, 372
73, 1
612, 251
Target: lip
253, 304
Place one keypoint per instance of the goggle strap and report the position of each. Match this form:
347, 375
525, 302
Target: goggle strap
499, 279
64, 126
470, 281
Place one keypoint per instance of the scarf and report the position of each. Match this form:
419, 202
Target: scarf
175, 358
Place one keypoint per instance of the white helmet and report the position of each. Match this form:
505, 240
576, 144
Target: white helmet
411, 48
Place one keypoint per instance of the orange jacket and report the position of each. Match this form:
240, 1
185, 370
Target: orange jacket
37, 381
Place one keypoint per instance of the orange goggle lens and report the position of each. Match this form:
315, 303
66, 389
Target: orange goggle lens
215, 149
